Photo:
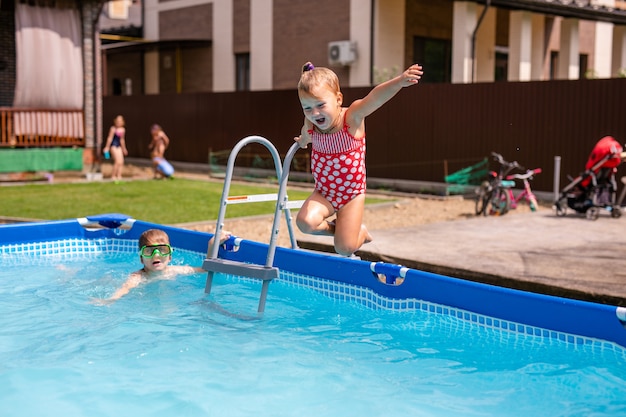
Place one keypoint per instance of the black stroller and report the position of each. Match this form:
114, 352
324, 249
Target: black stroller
596, 187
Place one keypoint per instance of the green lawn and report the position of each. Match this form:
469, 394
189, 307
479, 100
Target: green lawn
164, 202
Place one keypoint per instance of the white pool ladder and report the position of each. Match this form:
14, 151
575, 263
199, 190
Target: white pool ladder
267, 272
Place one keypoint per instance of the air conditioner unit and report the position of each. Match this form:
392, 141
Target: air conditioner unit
341, 53
118, 9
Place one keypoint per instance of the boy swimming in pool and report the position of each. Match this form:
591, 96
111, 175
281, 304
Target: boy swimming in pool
155, 253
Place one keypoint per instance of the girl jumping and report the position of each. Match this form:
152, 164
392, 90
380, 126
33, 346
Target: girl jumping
337, 135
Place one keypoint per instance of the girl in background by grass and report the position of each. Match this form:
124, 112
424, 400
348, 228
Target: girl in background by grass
116, 146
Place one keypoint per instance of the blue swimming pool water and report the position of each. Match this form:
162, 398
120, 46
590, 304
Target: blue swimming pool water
167, 349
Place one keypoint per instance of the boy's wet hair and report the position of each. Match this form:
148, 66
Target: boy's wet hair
153, 237
314, 76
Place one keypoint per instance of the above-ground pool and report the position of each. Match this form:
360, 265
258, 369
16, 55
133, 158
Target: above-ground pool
339, 337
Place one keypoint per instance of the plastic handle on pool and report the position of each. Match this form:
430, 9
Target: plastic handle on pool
388, 269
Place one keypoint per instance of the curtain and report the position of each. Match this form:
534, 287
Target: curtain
49, 71
60, 124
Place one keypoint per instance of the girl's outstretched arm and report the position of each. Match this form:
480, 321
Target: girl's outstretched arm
382, 93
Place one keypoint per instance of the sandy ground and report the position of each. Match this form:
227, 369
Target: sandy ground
403, 212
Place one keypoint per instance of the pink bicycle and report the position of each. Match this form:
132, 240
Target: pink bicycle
526, 193
495, 196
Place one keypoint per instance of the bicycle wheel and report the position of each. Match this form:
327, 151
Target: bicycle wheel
483, 195
532, 202
500, 202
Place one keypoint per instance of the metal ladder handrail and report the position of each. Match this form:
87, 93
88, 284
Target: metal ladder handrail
267, 272
282, 204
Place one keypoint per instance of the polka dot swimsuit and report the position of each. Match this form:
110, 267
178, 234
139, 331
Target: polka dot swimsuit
338, 165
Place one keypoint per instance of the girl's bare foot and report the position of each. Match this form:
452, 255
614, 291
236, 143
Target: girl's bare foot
368, 237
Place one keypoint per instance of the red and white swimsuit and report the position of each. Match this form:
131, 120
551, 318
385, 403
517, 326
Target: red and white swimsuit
338, 165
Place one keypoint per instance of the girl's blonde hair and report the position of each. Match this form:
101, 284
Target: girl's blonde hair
314, 76
153, 237
119, 116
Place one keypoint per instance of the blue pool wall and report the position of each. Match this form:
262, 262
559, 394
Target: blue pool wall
558, 314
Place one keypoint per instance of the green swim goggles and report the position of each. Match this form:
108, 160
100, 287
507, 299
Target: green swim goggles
148, 251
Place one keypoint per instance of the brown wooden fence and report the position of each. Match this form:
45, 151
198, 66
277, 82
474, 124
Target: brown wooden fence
36, 128
424, 133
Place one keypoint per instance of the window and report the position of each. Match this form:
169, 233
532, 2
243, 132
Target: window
242, 62
554, 65
117, 87
583, 68
502, 65
583, 63
436, 55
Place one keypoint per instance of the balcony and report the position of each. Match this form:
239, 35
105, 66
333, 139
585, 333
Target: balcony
41, 139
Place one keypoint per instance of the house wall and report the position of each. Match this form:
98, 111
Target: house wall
281, 35
194, 22
197, 66
428, 19
121, 66
302, 30
241, 26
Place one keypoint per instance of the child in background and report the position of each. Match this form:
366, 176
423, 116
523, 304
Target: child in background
337, 135
116, 146
155, 253
158, 145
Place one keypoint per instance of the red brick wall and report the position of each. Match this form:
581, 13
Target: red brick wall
302, 30
194, 22
241, 26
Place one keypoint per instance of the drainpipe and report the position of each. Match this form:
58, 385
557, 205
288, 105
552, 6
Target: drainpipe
372, 10
97, 56
480, 20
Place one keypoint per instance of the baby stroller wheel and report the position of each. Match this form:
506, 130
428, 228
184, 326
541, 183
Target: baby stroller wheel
561, 207
616, 213
592, 213
483, 194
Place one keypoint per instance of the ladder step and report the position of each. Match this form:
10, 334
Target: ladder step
253, 198
225, 266
259, 198
294, 204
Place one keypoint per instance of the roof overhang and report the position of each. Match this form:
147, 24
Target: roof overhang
578, 9
145, 46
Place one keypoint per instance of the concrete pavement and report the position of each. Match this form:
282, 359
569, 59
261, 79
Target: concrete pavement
568, 256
